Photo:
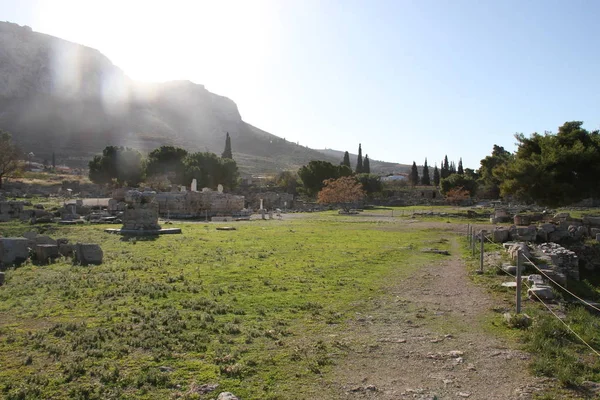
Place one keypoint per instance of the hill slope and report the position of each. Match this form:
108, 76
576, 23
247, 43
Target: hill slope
65, 98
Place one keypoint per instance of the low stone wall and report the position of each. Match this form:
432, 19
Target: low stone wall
198, 204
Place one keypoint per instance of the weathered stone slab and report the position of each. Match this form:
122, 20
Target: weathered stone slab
591, 221
88, 253
66, 249
540, 292
13, 250
500, 235
46, 252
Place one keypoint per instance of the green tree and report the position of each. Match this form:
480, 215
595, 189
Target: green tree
316, 172
490, 170
227, 152
288, 181
425, 180
458, 182
554, 169
346, 160
168, 162
460, 170
452, 168
414, 175
117, 165
445, 168
370, 183
366, 165
9, 157
210, 170
359, 161
436, 176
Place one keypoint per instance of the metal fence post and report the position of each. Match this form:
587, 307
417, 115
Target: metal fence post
519, 264
481, 255
473, 243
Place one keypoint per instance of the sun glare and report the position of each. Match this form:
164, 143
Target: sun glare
209, 42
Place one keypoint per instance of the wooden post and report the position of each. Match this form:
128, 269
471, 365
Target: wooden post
473, 243
519, 264
481, 255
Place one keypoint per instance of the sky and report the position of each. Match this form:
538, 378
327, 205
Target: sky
408, 80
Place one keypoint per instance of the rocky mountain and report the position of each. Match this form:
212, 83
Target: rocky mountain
64, 98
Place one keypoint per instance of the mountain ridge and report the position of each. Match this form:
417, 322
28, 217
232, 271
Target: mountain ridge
60, 97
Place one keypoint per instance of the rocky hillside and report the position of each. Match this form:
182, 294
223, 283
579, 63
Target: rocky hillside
65, 98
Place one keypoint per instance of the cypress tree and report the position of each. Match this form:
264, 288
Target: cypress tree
460, 171
436, 176
346, 160
445, 168
452, 168
414, 175
425, 180
227, 152
366, 165
359, 161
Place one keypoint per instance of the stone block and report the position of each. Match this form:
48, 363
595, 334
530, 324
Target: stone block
522, 219
66, 249
558, 235
540, 292
46, 252
526, 234
13, 250
500, 235
591, 221
88, 253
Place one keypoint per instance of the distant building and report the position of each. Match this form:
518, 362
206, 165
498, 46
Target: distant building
395, 178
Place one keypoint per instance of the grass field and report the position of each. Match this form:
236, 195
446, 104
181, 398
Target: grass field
251, 310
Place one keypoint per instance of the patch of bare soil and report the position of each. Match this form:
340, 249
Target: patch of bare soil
427, 340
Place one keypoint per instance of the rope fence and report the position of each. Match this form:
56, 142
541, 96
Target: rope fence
481, 237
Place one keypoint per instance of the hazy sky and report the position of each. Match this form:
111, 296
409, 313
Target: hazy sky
407, 79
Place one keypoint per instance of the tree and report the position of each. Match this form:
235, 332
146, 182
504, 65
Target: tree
343, 191
288, 181
227, 152
436, 176
370, 183
359, 161
414, 175
168, 162
460, 170
489, 171
445, 168
118, 165
425, 180
9, 157
452, 168
456, 181
457, 195
316, 172
366, 165
346, 160
210, 170
554, 170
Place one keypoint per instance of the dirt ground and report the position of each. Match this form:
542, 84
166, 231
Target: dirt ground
427, 340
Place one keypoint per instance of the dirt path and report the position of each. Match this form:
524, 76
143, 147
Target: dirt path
427, 339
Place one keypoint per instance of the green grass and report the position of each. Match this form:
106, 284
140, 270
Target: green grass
556, 352
252, 309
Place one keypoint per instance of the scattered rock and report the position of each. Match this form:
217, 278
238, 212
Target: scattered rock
88, 253
226, 228
13, 250
435, 251
46, 252
227, 396
455, 353
164, 368
203, 389
539, 292
463, 394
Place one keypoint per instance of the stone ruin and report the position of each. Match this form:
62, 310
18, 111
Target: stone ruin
555, 229
141, 213
43, 249
207, 203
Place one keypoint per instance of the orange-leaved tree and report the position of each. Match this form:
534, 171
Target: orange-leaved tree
344, 191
